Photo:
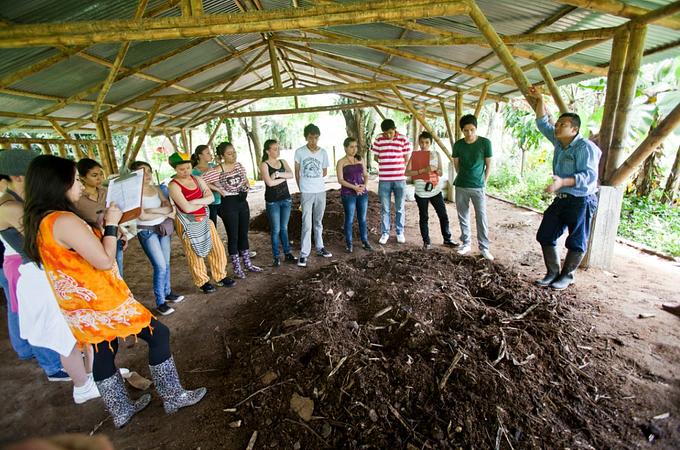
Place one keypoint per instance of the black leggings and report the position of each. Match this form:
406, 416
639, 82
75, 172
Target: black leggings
159, 350
213, 210
235, 214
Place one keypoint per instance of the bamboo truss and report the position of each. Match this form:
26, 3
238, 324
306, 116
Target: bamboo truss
617, 8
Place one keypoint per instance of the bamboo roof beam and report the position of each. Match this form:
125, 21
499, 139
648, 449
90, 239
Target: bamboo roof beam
310, 109
552, 87
636, 44
69, 141
647, 147
481, 100
621, 9
89, 33
142, 134
499, 48
611, 98
561, 36
147, 95
422, 121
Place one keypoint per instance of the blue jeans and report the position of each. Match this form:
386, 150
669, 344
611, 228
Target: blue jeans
48, 359
119, 256
385, 189
279, 214
358, 203
571, 213
157, 249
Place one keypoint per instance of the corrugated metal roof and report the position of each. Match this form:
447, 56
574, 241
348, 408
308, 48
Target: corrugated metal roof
75, 74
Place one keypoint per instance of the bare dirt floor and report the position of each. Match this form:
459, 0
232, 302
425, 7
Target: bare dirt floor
396, 348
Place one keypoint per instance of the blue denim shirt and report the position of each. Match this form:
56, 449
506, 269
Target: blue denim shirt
581, 160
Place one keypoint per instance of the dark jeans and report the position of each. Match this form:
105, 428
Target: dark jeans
213, 210
235, 214
358, 203
159, 350
571, 213
279, 215
439, 207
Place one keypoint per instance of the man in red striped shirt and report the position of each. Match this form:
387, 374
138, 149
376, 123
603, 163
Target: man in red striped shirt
391, 150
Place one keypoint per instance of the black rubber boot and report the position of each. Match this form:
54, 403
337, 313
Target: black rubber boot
552, 264
571, 263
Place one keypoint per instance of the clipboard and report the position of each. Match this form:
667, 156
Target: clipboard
127, 191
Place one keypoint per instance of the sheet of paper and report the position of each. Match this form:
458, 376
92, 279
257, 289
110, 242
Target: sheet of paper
126, 191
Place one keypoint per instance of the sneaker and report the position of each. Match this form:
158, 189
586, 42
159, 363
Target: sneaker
290, 258
276, 262
59, 375
486, 254
427, 246
367, 246
302, 261
208, 288
401, 239
164, 309
174, 298
450, 243
349, 248
86, 392
226, 282
464, 250
384, 238
323, 252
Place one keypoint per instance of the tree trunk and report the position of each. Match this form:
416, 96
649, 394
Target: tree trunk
647, 178
230, 129
255, 137
673, 182
361, 132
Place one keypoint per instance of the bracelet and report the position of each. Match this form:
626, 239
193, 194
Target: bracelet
111, 230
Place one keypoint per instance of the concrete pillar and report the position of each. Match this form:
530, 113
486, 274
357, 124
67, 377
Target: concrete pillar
603, 229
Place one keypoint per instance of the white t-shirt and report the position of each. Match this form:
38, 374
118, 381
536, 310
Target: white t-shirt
311, 169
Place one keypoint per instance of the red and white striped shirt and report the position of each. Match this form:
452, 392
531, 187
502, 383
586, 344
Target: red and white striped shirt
392, 156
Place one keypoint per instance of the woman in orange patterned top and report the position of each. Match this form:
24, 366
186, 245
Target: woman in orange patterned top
94, 299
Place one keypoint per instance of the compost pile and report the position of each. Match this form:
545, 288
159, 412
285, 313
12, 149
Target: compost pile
418, 349
333, 219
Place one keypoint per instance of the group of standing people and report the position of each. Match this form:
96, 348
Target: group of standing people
62, 266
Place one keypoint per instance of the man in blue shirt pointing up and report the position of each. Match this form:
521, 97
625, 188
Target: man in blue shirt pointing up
575, 166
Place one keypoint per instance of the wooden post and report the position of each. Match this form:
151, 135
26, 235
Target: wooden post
480, 102
665, 127
616, 65
273, 60
449, 131
636, 46
499, 48
459, 114
552, 87
421, 119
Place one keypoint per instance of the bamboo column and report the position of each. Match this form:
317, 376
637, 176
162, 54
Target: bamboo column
128, 147
499, 48
647, 147
103, 149
46, 148
482, 99
616, 65
172, 141
422, 120
445, 113
273, 60
552, 87
62, 150
111, 153
220, 120
185, 141
459, 114
636, 46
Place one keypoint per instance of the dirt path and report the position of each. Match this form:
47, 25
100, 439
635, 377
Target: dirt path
647, 350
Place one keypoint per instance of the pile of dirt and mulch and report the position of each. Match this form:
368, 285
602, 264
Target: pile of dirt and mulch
333, 219
418, 349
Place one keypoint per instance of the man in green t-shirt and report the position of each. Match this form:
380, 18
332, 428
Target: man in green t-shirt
472, 160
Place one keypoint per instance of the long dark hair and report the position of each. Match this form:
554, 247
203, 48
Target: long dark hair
47, 180
222, 148
196, 155
267, 145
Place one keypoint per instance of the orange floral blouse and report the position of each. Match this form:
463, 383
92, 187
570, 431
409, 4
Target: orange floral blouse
97, 304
